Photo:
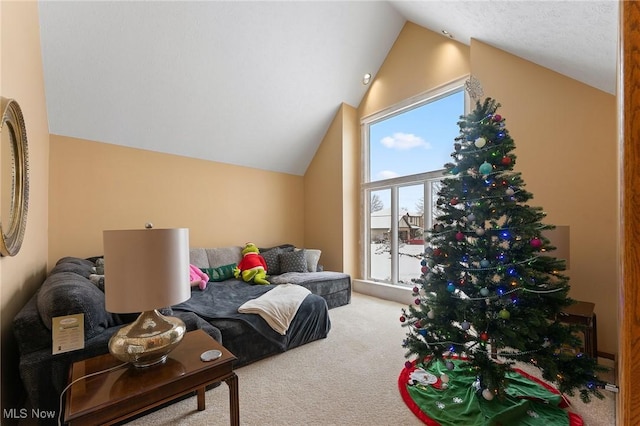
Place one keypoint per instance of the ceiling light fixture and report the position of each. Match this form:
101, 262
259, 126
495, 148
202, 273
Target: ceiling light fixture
366, 79
447, 33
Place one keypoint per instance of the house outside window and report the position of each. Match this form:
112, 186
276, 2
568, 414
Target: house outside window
404, 151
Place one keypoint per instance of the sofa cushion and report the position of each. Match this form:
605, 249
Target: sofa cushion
67, 293
221, 256
293, 261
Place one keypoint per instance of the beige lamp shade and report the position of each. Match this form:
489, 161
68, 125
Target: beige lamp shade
146, 269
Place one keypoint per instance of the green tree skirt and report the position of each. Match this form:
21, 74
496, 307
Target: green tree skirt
529, 401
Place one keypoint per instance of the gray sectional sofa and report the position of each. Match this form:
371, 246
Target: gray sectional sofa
68, 290
249, 337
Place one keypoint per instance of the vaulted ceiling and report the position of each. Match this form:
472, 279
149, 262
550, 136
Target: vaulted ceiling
257, 83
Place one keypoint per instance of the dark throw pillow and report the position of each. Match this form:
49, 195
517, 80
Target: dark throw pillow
272, 259
293, 261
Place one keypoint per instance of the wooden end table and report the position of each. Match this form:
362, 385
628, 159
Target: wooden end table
582, 313
117, 395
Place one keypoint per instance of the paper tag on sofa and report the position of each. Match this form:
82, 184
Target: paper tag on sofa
68, 333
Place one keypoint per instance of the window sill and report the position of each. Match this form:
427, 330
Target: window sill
392, 292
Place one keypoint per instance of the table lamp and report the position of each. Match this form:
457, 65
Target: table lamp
146, 270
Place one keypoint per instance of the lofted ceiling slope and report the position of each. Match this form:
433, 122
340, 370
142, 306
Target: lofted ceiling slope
257, 83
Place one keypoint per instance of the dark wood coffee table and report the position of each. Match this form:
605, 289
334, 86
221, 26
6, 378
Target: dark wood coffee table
117, 395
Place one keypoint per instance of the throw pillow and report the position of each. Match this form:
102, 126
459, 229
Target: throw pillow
293, 261
312, 257
272, 259
221, 273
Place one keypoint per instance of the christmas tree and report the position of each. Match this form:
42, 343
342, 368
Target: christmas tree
489, 287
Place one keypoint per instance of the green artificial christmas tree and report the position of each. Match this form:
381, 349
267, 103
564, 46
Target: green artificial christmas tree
489, 285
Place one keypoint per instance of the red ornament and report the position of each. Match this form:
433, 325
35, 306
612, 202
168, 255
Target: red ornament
536, 242
454, 201
484, 337
402, 319
497, 117
459, 236
506, 160
437, 252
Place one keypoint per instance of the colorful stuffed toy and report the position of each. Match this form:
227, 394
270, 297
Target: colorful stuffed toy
197, 277
252, 267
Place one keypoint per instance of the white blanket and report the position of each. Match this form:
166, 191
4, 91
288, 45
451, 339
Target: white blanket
278, 306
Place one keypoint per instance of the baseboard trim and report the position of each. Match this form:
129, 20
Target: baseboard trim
607, 355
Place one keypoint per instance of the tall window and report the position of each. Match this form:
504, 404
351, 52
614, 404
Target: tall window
405, 149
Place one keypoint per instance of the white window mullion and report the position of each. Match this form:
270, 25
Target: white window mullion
394, 235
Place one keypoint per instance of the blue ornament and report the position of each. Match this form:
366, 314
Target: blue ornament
505, 234
485, 168
451, 288
422, 332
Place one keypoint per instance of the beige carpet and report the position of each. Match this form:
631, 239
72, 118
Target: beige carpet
349, 378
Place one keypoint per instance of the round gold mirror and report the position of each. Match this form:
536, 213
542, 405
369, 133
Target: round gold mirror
14, 178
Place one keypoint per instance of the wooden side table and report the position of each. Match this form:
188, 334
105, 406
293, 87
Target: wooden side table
122, 393
582, 313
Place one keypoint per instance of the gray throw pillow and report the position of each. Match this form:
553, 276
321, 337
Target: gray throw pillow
313, 257
293, 261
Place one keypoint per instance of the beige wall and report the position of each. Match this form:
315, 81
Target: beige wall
351, 192
331, 195
97, 186
419, 60
566, 143
21, 78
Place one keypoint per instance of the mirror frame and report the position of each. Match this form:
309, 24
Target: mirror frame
12, 234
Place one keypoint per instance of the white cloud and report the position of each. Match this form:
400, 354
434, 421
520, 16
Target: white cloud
387, 174
404, 141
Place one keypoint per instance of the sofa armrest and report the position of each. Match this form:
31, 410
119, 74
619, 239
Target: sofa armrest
29, 330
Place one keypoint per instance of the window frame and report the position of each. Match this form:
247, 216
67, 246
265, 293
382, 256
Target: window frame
394, 184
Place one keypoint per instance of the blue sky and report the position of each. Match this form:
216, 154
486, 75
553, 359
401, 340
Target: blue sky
417, 141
